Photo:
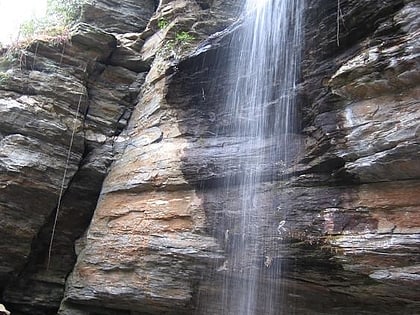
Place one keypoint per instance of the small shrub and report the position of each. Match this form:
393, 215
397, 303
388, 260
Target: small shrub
65, 12
4, 77
184, 37
60, 15
162, 23
28, 28
13, 56
176, 45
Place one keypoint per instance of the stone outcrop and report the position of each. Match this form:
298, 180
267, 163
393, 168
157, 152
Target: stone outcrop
129, 16
362, 125
59, 120
341, 221
342, 231
147, 248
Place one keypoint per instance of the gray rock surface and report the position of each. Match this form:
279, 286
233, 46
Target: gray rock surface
118, 16
341, 218
43, 84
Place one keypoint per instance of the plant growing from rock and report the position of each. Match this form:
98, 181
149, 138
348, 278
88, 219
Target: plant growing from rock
65, 10
54, 28
177, 44
4, 77
60, 15
162, 23
183, 37
13, 56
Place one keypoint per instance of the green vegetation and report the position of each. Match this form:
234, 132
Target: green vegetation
162, 23
54, 28
9, 57
174, 46
183, 37
178, 36
65, 11
3, 77
60, 15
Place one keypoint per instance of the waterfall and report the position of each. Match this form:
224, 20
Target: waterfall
263, 69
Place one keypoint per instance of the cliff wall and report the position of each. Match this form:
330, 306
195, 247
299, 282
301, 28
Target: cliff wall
150, 104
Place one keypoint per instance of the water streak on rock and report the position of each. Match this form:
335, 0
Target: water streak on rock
264, 64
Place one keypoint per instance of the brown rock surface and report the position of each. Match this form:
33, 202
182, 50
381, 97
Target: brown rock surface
42, 86
344, 226
347, 248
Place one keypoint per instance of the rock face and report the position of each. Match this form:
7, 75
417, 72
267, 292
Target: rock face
146, 247
362, 125
59, 120
129, 16
343, 220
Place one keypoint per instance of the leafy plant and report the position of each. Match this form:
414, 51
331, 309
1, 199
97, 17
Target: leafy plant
162, 23
60, 15
29, 27
4, 77
13, 56
184, 37
175, 45
64, 11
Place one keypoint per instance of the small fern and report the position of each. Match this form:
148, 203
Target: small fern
162, 23
184, 37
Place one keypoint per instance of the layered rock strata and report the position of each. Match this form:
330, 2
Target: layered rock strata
58, 125
343, 227
337, 227
146, 247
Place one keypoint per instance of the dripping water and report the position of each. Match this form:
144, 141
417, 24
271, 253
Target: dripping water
263, 71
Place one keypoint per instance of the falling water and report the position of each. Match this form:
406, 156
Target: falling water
263, 72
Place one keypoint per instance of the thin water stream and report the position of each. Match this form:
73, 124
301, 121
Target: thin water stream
261, 106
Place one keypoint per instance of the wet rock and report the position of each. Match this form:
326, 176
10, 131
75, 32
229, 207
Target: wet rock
346, 240
46, 83
36, 132
118, 16
344, 227
132, 232
129, 58
145, 249
363, 114
107, 107
92, 38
